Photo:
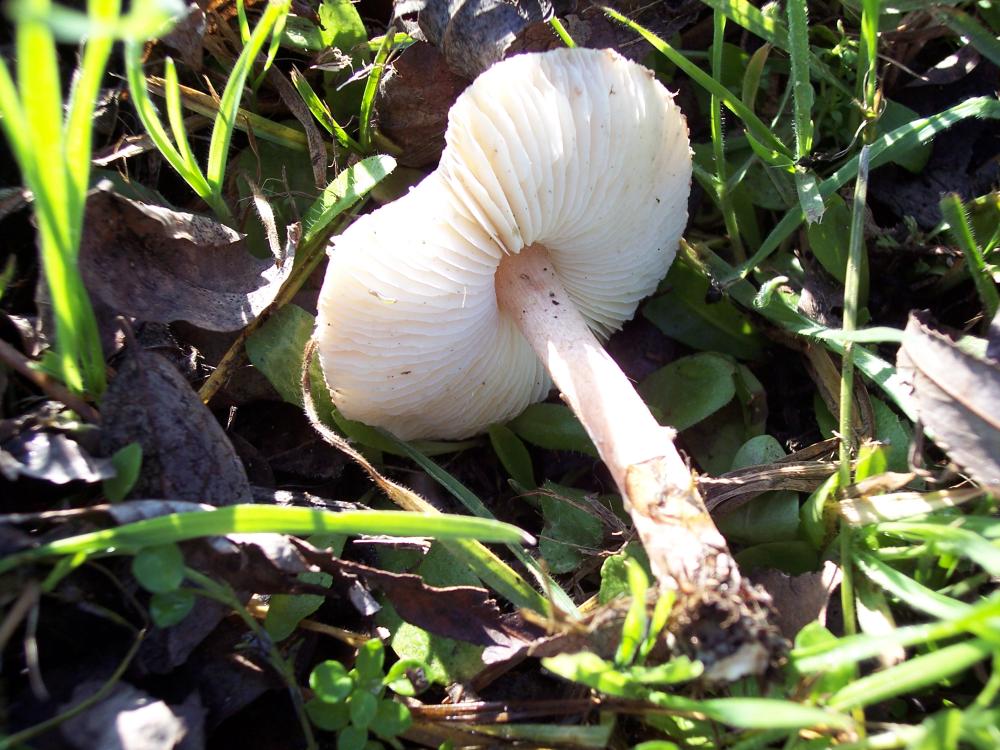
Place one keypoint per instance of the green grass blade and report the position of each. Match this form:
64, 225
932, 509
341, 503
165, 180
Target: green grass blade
965, 25
175, 116
774, 32
38, 78
347, 188
868, 55
469, 499
242, 22
229, 103
719, 144
371, 88
322, 113
954, 213
907, 590
154, 127
914, 674
802, 90
953, 540
264, 519
883, 149
12, 117
980, 620
79, 120
561, 32
754, 125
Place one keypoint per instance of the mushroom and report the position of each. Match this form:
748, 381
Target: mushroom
556, 208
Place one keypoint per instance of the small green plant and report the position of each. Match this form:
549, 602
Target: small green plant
207, 184
355, 702
52, 150
627, 677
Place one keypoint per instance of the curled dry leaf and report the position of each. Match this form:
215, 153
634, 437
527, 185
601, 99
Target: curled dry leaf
474, 34
41, 445
160, 265
270, 563
52, 456
957, 395
415, 93
799, 599
186, 454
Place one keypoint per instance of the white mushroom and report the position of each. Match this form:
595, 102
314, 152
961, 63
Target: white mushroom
557, 206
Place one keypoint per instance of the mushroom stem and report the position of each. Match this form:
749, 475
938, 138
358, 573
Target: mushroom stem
686, 551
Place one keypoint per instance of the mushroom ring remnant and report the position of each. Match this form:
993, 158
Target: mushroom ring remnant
557, 206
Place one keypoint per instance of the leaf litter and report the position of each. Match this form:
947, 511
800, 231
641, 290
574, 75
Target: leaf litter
157, 264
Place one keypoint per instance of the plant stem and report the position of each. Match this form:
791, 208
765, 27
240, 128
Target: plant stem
686, 551
308, 259
210, 589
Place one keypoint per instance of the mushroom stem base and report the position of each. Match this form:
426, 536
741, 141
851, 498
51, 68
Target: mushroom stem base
719, 617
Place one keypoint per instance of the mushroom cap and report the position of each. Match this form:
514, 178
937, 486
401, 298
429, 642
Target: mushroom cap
579, 150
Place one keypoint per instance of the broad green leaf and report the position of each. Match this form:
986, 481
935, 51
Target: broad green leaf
396, 678
793, 557
284, 177
446, 660
391, 719
362, 707
167, 608
330, 682
769, 517
369, 661
127, 462
159, 568
684, 313
341, 26
678, 669
352, 738
614, 572
286, 611
818, 523
330, 717
512, 454
690, 389
895, 115
872, 460
814, 634
276, 349
571, 529
554, 427
591, 670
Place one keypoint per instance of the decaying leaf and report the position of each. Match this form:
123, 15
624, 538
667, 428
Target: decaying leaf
186, 454
36, 445
474, 34
957, 395
799, 600
52, 456
463, 613
160, 265
415, 93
